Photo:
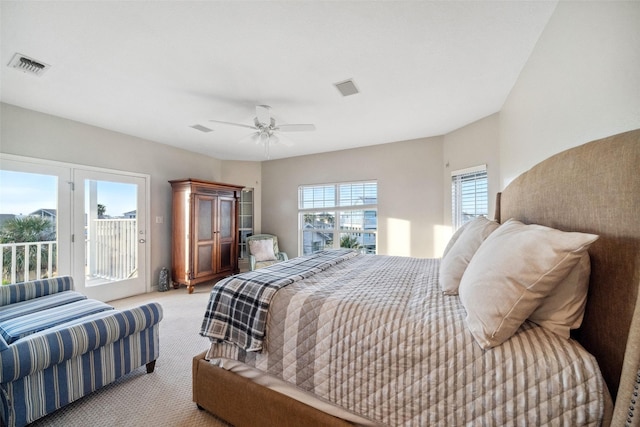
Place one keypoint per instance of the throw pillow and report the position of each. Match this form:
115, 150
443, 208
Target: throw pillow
454, 263
514, 269
455, 238
262, 250
563, 309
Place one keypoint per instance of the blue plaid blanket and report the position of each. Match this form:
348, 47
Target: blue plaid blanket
238, 305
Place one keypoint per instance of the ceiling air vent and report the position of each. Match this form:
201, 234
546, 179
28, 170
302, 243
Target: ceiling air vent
202, 128
347, 87
28, 65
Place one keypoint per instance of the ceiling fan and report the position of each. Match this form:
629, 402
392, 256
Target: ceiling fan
266, 128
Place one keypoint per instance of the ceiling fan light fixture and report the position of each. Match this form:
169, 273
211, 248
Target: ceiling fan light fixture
265, 139
347, 87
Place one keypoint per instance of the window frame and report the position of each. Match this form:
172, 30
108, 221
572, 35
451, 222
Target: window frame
246, 212
473, 175
337, 209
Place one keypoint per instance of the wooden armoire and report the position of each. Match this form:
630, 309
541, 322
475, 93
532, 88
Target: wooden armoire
204, 231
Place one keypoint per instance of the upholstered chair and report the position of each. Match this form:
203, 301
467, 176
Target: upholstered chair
263, 251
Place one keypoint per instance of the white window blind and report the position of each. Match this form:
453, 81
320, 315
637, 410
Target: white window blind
469, 194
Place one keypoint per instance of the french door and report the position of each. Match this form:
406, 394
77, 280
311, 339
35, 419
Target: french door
94, 226
109, 234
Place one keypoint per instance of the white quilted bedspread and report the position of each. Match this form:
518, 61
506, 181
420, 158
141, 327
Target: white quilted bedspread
376, 336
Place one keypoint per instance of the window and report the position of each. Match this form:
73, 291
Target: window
469, 195
245, 217
338, 215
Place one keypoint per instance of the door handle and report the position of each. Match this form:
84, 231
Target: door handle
142, 241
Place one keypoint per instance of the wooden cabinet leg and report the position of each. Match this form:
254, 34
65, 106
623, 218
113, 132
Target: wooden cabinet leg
190, 288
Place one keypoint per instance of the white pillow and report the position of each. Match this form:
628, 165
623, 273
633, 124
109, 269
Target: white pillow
455, 261
454, 238
514, 269
262, 250
563, 309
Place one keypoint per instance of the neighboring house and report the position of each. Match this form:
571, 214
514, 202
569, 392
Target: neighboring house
45, 213
318, 240
130, 214
50, 214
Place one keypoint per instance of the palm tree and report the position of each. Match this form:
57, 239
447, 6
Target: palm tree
23, 230
349, 241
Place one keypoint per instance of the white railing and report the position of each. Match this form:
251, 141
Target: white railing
113, 253
23, 256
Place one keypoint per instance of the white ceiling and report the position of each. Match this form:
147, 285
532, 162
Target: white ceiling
152, 69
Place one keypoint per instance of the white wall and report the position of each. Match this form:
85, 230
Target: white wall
409, 176
32, 134
582, 82
473, 145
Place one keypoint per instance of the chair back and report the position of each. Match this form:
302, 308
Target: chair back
263, 237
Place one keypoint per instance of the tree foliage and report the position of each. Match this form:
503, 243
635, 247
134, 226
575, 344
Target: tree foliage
349, 241
27, 229
24, 230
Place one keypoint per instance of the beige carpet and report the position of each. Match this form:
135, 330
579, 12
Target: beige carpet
162, 398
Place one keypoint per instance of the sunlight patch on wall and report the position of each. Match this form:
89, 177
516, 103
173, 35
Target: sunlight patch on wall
441, 236
399, 237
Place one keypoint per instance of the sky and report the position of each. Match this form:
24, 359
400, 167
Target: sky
23, 193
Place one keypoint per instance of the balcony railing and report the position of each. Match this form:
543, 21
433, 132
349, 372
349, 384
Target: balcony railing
27, 261
112, 254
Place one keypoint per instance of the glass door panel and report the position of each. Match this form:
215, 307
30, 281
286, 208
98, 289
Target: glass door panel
112, 250
226, 231
226, 228
34, 221
204, 213
245, 216
113, 208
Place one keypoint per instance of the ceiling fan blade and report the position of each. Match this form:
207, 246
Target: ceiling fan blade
233, 124
281, 139
296, 128
252, 137
263, 114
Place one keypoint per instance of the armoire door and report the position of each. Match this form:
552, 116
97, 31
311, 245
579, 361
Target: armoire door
226, 234
204, 232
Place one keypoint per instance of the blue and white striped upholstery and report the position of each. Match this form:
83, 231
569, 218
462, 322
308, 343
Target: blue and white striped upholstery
46, 370
10, 294
19, 327
38, 304
14, 310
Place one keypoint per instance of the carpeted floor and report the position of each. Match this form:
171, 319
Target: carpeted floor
162, 398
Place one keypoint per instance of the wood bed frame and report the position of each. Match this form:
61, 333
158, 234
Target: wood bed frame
593, 188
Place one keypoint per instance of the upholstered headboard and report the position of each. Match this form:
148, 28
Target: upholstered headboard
595, 188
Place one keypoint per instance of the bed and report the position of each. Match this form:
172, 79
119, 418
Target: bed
323, 331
